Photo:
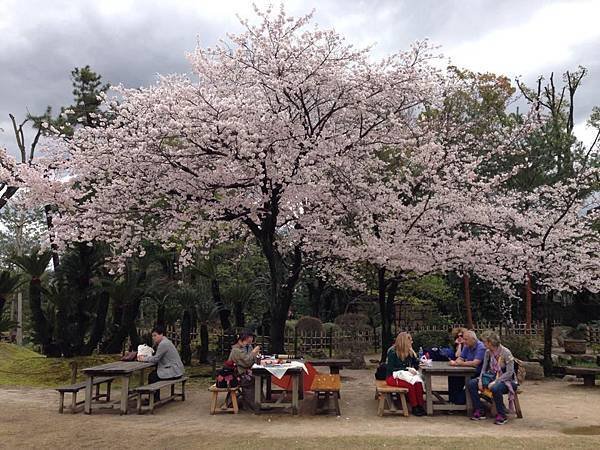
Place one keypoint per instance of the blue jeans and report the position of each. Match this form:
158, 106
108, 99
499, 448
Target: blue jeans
498, 390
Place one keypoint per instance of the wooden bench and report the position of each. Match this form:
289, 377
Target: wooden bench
75, 388
327, 390
150, 389
384, 394
587, 373
230, 393
492, 405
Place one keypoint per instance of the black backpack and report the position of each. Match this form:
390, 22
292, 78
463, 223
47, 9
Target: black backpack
227, 378
436, 354
381, 372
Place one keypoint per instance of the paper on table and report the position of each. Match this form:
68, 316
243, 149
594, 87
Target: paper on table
279, 370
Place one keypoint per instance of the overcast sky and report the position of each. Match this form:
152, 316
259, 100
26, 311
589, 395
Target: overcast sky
130, 41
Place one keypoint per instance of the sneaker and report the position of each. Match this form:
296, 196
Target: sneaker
500, 420
478, 415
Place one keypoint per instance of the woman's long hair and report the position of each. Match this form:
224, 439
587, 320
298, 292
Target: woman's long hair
403, 346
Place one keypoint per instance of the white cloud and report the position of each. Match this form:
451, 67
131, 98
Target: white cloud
548, 38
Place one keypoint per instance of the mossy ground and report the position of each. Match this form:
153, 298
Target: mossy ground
20, 366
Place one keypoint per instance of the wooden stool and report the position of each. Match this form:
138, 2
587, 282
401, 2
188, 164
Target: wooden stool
327, 388
492, 405
230, 392
384, 393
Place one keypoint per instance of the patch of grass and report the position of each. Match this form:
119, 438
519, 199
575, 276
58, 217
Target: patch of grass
20, 366
593, 430
250, 442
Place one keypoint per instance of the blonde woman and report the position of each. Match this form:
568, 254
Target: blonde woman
402, 357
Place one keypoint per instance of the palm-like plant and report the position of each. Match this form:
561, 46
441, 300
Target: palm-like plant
9, 282
197, 309
34, 265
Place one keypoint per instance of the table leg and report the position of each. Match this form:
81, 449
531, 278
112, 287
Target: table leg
269, 388
334, 370
301, 386
429, 394
88, 394
295, 389
257, 391
124, 393
468, 396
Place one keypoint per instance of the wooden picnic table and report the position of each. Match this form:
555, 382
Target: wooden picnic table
262, 378
335, 365
119, 369
587, 373
444, 369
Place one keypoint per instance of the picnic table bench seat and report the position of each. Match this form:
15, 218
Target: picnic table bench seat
74, 389
150, 389
230, 393
587, 373
384, 394
327, 389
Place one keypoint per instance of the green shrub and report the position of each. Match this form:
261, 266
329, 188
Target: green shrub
331, 327
520, 346
430, 339
310, 324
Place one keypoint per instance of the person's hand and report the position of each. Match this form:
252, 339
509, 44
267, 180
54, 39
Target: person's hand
140, 358
256, 350
412, 370
452, 362
491, 385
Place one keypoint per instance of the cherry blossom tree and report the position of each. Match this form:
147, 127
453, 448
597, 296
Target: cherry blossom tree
420, 205
247, 146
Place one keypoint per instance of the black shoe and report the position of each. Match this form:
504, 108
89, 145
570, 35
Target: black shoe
418, 411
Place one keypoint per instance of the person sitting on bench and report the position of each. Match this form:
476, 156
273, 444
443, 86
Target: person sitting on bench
169, 365
402, 357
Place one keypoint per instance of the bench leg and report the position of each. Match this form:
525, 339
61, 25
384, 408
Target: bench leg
61, 402
404, 405
183, 391
381, 406
173, 390
589, 380
213, 402
139, 402
336, 404
88, 394
108, 387
74, 402
151, 395
518, 407
234, 402
98, 391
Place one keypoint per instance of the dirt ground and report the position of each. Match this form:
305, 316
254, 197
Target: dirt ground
556, 415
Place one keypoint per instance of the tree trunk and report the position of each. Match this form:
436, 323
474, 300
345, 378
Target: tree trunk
186, 329
41, 326
218, 301
53, 246
548, 318
469, 310
99, 323
386, 331
315, 292
238, 311
528, 301
160, 315
203, 349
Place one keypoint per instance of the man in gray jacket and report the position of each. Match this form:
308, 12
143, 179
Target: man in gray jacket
169, 365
